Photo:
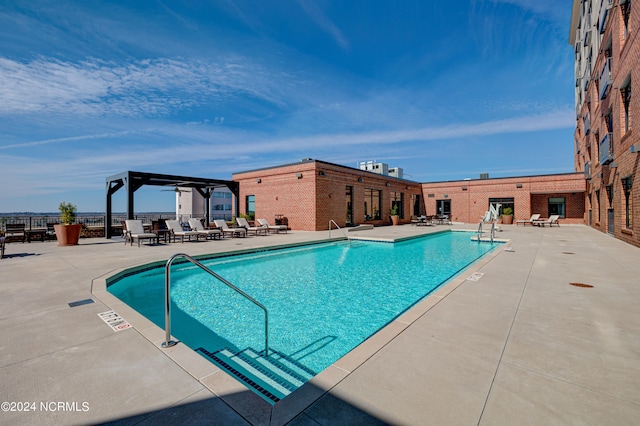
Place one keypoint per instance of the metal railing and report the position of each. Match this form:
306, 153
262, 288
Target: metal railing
34, 221
340, 229
492, 233
167, 300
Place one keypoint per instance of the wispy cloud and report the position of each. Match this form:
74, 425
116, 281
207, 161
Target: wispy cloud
320, 18
141, 88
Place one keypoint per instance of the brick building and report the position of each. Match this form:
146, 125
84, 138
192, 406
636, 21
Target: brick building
604, 34
468, 200
310, 193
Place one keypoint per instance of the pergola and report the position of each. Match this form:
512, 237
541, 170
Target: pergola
132, 181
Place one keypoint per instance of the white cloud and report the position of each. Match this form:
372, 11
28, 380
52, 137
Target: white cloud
145, 87
321, 19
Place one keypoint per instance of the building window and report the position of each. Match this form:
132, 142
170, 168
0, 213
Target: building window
372, 204
505, 202
625, 8
625, 94
598, 201
557, 206
628, 201
251, 205
219, 194
397, 200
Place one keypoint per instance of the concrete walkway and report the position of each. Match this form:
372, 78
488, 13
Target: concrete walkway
518, 346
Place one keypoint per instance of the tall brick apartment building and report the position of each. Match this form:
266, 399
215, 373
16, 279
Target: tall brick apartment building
310, 193
604, 34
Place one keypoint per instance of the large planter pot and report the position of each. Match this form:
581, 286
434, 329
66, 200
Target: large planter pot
68, 235
507, 219
395, 220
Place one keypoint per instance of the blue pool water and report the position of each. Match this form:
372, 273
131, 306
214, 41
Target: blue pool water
323, 301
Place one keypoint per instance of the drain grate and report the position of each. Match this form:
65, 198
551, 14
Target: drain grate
80, 303
581, 285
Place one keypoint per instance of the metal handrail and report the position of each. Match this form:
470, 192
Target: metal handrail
167, 300
340, 229
479, 231
493, 230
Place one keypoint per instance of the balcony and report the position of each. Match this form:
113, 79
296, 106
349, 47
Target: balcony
587, 76
587, 125
604, 15
605, 151
587, 170
605, 79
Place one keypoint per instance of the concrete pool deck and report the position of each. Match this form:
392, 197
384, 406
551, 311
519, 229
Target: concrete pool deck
519, 345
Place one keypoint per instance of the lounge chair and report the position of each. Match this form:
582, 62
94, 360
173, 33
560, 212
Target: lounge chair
272, 228
177, 231
242, 222
530, 221
222, 225
135, 231
196, 225
15, 232
553, 220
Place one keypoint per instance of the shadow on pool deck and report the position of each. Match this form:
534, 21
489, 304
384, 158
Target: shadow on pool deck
518, 346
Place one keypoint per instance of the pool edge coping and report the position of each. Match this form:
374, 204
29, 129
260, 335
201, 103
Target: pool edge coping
243, 400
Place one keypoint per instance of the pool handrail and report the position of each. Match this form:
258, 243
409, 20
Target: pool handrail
492, 233
340, 229
167, 300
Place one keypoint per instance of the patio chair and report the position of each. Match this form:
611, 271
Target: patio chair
553, 220
135, 231
15, 232
196, 225
177, 231
222, 225
530, 221
51, 232
242, 222
272, 228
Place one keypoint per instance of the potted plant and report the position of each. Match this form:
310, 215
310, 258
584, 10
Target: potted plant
67, 232
507, 216
394, 214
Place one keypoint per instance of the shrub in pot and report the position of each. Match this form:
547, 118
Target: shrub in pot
67, 232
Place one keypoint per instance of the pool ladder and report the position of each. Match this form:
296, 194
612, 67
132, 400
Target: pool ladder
492, 233
167, 300
340, 229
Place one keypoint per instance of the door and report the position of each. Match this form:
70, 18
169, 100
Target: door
443, 207
417, 204
349, 200
610, 221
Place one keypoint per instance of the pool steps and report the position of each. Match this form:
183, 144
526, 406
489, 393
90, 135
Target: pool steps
273, 378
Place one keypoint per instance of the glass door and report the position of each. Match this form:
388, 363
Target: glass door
349, 200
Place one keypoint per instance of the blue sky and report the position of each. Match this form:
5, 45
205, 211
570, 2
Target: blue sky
445, 90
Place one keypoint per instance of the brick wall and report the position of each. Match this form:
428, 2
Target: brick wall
530, 194
309, 202
625, 54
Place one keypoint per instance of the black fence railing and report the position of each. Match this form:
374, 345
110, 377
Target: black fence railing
41, 221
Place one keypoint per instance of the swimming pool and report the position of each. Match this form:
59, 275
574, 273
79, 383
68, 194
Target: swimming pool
323, 301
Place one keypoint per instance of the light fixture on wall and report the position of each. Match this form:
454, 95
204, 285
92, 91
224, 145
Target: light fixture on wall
387, 184
518, 185
464, 188
299, 175
360, 179
258, 180
321, 173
